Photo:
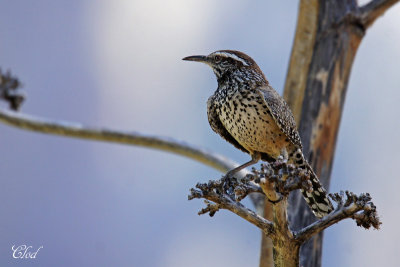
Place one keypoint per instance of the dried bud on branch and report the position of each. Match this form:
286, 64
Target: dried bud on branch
276, 181
9, 92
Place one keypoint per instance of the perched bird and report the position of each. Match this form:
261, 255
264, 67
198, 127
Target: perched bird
248, 113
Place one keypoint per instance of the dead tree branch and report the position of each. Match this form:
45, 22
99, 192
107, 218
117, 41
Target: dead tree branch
360, 208
76, 130
225, 199
9, 92
276, 181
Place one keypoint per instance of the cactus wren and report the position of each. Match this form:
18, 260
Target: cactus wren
248, 113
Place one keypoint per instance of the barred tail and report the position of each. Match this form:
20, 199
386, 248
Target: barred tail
317, 200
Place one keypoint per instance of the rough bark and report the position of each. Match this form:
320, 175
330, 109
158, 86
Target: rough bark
286, 254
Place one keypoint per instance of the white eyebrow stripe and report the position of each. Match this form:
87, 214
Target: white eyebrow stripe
225, 54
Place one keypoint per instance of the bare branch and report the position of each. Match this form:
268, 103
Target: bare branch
374, 9
276, 181
10, 94
214, 191
360, 208
272, 178
77, 130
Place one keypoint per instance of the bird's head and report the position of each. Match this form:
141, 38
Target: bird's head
230, 62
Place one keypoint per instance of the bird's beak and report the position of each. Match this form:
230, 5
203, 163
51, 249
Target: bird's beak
203, 59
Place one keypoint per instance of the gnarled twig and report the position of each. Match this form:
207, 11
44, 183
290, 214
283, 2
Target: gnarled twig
224, 199
360, 208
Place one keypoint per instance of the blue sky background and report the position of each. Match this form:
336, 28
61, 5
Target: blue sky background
117, 64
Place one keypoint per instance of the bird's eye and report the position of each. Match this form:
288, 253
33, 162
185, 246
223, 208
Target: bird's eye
217, 58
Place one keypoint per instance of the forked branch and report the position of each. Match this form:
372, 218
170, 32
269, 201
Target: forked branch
276, 181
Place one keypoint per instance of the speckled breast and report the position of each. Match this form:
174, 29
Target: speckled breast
248, 120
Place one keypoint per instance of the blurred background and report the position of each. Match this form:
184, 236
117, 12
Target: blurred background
117, 64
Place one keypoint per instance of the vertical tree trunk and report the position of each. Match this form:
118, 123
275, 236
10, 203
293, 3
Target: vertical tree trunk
327, 37
266, 258
334, 47
281, 256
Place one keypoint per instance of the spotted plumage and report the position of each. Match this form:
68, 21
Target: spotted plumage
247, 112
